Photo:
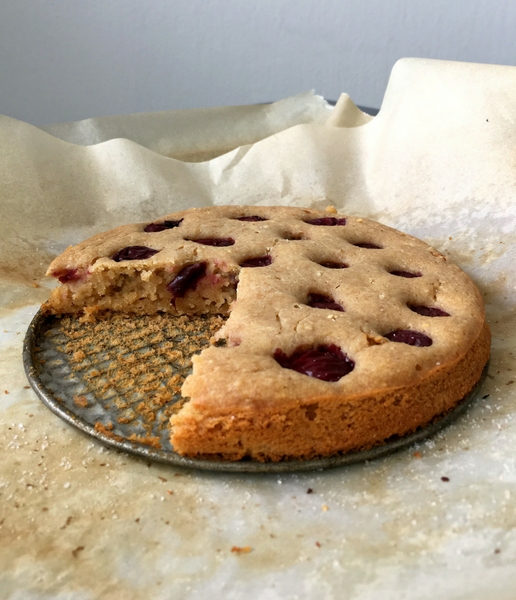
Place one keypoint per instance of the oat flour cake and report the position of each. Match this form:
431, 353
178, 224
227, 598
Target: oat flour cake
342, 332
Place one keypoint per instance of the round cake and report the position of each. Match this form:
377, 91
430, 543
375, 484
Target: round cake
341, 332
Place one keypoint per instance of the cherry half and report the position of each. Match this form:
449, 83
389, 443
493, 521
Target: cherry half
326, 221
154, 227
66, 275
321, 301
428, 311
187, 279
219, 242
258, 261
327, 363
412, 338
333, 265
406, 274
134, 253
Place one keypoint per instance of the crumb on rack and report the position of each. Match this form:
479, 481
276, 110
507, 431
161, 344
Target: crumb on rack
81, 401
241, 549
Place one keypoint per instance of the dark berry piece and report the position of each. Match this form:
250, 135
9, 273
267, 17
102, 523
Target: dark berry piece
328, 363
66, 275
134, 253
334, 265
327, 221
406, 274
187, 279
219, 242
155, 227
412, 338
368, 245
320, 301
251, 219
258, 261
428, 311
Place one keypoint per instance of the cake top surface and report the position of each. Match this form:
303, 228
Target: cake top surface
309, 281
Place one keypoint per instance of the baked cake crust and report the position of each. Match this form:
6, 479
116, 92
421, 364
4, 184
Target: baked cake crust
410, 324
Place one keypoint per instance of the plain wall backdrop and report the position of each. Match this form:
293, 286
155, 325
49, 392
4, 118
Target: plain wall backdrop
64, 60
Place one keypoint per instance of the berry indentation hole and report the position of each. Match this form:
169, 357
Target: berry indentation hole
327, 221
322, 301
257, 261
327, 363
428, 311
155, 227
406, 274
330, 264
219, 242
412, 338
134, 253
251, 219
292, 237
368, 245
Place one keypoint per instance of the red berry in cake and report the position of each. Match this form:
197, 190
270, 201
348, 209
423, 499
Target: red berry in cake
327, 221
333, 265
321, 301
428, 311
218, 242
187, 279
328, 363
134, 253
258, 261
406, 274
251, 219
412, 338
66, 275
155, 227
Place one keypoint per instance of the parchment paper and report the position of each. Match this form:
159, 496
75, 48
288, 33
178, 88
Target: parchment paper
78, 521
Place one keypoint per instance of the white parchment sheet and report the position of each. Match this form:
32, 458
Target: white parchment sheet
81, 522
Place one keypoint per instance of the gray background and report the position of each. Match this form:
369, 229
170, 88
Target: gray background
64, 60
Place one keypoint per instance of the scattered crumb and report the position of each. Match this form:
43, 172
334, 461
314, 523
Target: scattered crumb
241, 549
318, 544
81, 401
148, 440
324, 507
417, 455
309, 491
77, 550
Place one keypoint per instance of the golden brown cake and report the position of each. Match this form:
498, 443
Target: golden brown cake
342, 332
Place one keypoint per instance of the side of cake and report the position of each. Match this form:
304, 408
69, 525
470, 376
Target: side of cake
342, 332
